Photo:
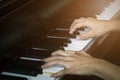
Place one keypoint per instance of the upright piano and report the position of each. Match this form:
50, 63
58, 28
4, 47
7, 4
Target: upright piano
31, 30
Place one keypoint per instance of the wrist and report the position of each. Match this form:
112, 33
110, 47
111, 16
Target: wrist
107, 70
114, 25
102, 69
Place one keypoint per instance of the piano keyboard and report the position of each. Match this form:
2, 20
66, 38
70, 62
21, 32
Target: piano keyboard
108, 13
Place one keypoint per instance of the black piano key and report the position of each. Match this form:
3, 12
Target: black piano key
49, 47
67, 30
53, 40
51, 43
22, 70
26, 67
29, 63
36, 53
5, 61
63, 33
43, 42
6, 77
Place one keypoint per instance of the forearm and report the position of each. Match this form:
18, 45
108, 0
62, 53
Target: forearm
108, 71
115, 25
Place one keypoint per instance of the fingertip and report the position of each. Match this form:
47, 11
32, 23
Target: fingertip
70, 32
58, 52
44, 60
58, 74
54, 53
78, 37
43, 67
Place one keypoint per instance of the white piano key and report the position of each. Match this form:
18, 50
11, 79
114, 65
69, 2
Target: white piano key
38, 77
49, 71
77, 45
31, 59
78, 42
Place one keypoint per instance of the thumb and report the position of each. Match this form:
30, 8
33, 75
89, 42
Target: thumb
64, 72
59, 73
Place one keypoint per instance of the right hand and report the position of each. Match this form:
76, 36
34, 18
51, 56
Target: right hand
97, 27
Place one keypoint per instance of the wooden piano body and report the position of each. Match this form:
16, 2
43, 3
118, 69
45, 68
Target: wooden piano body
21, 28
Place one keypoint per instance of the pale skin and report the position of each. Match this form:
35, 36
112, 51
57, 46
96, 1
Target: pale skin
81, 63
97, 27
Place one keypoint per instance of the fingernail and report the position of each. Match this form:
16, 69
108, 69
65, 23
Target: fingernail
42, 66
70, 32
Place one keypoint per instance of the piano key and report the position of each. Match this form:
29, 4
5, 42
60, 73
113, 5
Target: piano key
45, 42
48, 71
61, 33
49, 47
22, 70
67, 30
66, 40
26, 67
53, 69
38, 77
55, 42
110, 11
29, 64
43, 76
6, 77
36, 53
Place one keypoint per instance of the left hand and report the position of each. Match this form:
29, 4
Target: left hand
80, 63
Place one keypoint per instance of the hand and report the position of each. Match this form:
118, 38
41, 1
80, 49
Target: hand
97, 27
79, 63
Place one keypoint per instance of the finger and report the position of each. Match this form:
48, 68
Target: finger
84, 36
91, 18
77, 24
52, 63
57, 58
77, 21
70, 52
63, 72
58, 74
60, 53
83, 53
79, 52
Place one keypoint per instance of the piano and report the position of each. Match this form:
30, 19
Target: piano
32, 29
